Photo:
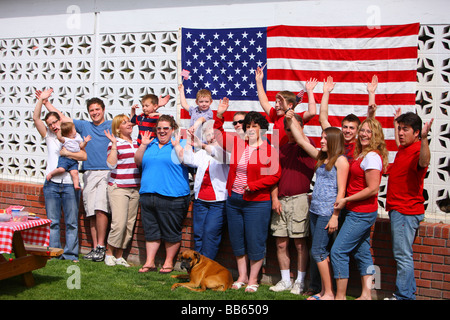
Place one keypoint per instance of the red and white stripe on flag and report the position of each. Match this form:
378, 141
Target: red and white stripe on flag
350, 54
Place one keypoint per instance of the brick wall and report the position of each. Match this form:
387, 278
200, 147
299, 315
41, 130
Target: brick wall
431, 248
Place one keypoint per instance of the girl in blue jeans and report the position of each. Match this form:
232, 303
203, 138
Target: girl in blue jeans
331, 178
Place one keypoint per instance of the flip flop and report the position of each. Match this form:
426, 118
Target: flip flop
237, 285
165, 270
146, 269
314, 297
252, 288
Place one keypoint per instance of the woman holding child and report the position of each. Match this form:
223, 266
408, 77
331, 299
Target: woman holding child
254, 169
164, 192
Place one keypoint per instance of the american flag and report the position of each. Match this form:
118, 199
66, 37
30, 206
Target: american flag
224, 61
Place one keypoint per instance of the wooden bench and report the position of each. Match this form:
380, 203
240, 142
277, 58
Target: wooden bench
43, 251
27, 258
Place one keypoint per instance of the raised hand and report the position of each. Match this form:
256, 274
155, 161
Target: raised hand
311, 84
87, 139
145, 139
328, 85
259, 74
223, 106
372, 86
426, 128
44, 95
163, 101
110, 136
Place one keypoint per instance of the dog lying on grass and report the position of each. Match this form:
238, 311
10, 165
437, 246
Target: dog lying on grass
203, 273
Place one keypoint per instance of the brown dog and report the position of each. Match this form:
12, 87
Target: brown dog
202, 272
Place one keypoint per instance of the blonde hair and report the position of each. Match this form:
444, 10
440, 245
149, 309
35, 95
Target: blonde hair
377, 143
335, 146
117, 121
203, 93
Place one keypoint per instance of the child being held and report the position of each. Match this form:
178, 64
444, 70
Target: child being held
202, 112
72, 141
146, 121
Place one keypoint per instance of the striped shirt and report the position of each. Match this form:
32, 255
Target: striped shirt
241, 171
145, 123
125, 174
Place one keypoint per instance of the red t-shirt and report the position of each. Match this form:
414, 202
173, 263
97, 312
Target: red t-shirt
297, 170
278, 124
405, 183
357, 182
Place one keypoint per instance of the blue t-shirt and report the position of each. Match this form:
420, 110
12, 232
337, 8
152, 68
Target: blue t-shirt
162, 172
96, 148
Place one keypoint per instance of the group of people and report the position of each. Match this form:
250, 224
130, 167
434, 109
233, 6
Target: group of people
240, 180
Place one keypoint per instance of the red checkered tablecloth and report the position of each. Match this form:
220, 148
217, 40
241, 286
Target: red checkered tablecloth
36, 232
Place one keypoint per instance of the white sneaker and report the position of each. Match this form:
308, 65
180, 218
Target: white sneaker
122, 262
110, 260
280, 286
298, 287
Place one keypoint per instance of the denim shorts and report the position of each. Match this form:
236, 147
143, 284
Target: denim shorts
162, 217
67, 163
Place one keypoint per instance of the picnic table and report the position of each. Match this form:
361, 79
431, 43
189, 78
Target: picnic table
29, 241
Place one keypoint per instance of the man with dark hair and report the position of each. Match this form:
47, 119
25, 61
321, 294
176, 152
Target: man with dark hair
404, 197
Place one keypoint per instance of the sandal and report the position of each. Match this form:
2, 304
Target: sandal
252, 288
237, 285
146, 269
165, 270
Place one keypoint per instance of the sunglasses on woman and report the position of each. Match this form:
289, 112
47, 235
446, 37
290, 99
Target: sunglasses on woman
239, 121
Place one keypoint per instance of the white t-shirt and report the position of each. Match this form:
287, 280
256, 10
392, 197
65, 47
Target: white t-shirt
372, 161
73, 145
53, 148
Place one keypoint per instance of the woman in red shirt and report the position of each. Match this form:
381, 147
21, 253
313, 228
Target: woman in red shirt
254, 170
361, 204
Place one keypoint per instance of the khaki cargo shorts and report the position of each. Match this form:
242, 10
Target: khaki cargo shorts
95, 191
293, 222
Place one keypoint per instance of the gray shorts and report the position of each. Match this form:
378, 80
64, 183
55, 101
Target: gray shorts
95, 191
293, 222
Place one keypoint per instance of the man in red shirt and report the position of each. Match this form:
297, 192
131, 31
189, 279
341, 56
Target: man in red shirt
404, 198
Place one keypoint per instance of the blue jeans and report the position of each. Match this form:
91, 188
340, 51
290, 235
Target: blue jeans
248, 226
63, 196
353, 238
320, 237
403, 231
208, 218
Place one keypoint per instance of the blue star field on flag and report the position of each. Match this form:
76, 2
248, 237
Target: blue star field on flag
223, 61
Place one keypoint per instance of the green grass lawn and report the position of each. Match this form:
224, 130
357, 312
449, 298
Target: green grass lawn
58, 280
